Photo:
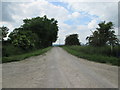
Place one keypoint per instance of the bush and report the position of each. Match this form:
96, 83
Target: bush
11, 50
25, 55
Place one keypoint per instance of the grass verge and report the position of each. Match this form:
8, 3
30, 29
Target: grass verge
23, 56
92, 57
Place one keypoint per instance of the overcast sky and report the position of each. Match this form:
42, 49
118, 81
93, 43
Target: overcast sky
73, 17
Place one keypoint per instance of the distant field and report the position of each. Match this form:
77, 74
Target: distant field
101, 54
25, 55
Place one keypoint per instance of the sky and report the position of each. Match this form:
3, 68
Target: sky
74, 17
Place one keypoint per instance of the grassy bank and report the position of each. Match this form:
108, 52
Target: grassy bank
102, 55
25, 55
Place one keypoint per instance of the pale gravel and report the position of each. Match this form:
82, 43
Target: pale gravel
58, 69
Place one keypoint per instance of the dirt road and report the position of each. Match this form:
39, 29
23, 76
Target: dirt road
58, 69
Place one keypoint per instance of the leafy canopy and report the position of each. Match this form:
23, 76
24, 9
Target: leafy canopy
3, 32
72, 40
104, 35
38, 32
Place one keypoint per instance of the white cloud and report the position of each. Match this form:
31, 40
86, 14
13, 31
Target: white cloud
7, 24
82, 30
64, 30
42, 8
107, 11
33, 9
87, 0
93, 24
74, 15
104, 11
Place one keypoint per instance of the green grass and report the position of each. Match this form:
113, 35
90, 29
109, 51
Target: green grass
11, 50
25, 55
93, 54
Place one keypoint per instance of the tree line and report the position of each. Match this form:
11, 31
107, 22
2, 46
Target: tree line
103, 35
41, 32
38, 32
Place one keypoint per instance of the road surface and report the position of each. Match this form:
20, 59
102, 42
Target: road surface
58, 69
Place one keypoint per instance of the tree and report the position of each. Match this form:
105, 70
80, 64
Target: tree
4, 31
45, 28
24, 39
103, 35
72, 40
0, 35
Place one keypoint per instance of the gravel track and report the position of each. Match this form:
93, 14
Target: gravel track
58, 69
